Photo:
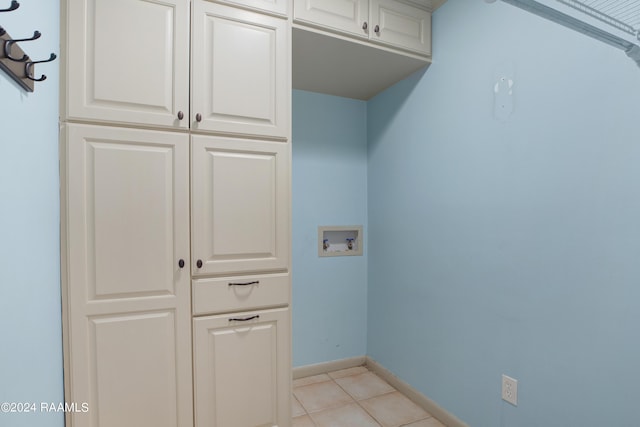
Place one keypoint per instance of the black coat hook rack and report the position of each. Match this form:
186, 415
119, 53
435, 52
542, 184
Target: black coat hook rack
14, 61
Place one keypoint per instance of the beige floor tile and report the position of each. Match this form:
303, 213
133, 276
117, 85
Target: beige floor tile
429, 422
296, 408
345, 416
323, 395
347, 372
311, 380
393, 409
303, 421
364, 386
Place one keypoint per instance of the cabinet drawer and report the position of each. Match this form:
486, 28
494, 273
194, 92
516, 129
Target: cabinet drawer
225, 294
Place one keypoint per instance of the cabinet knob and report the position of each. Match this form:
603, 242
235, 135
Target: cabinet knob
180, 115
181, 263
365, 26
199, 263
377, 29
198, 117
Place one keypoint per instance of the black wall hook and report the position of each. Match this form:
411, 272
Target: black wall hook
14, 6
29, 64
10, 42
14, 60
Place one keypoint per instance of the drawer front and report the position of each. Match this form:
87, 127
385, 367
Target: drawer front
226, 294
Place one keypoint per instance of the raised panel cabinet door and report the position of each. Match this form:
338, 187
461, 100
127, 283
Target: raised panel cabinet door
241, 78
242, 369
127, 61
349, 16
401, 25
127, 306
240, 205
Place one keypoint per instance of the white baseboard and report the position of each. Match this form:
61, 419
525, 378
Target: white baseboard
418, 398
323, 368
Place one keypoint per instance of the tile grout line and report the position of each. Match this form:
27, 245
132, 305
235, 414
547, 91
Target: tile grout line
394, 390
354, 400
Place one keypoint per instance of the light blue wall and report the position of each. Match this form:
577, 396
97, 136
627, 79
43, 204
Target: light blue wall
509, 247
31, 347
329, 188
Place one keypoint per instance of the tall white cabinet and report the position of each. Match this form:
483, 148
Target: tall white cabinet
176, 160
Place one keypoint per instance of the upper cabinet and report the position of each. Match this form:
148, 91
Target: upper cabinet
240, 77
400, 25
347, 16
138, 72
383, 21
357, 48
135, 72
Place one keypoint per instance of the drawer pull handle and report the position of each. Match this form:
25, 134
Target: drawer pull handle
180, 115
199, 263
181, 263
256, 282
377, 29
198, 117
244, 319
365, 26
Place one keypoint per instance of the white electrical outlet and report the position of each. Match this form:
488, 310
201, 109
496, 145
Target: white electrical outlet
510, 390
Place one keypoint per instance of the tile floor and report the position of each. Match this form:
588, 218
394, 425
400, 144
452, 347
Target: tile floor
354, 397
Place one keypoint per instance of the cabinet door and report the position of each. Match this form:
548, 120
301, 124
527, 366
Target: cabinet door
240, 205
127, 301
347, 16
401, 25
242, 369
241, 71
128, 61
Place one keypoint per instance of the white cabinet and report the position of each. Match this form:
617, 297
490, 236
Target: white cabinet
174, 150
242, 369
348, 16
240, 74
400, 25
127, 61
382, 21
240, 205
358, 48
127, 300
